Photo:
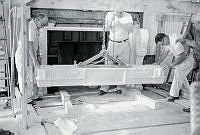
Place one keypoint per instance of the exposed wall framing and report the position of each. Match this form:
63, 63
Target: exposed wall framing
70, 17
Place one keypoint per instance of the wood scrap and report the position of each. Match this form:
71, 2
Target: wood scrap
153, 104
65, 97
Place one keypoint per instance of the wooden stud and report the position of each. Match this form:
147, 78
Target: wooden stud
24, 67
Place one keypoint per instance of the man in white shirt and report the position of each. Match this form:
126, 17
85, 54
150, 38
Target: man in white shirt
192, 38
34, 52
182, 64
119, 24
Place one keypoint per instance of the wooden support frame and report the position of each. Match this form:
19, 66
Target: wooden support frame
24, 26
106, 55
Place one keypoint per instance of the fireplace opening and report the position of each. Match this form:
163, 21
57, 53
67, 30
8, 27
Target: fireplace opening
66, 47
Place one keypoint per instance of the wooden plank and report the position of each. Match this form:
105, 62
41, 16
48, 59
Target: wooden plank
33, 116
24, 65
66, 126
49, 102
87, 6
158, 91
153, 104
78, 21
73, 29
152, 94
65, 97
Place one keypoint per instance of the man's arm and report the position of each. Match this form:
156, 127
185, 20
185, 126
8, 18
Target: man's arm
179, 59
191, 43
32, 55
108, 20
163, 56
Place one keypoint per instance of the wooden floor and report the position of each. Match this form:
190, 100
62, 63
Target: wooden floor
111, 114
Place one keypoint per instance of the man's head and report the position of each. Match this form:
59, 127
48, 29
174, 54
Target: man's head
42, 20
196, 21
119, 10
118, 13
162, 39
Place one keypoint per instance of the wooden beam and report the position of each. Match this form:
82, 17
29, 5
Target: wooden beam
24, 27
33, 118
65, 97
70, 16
77, 21
151, 103
126, 5
52, 129
73, 29
158, 91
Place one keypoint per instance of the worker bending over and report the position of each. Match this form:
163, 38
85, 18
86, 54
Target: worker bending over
35, 24
192, 38
119, 24
182, 64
